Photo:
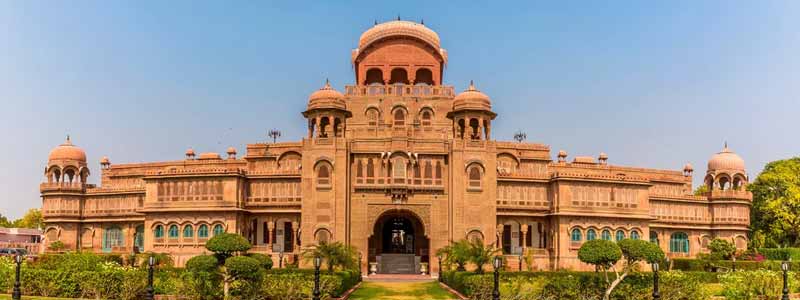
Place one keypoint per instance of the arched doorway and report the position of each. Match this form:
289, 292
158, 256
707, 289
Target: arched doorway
398, 243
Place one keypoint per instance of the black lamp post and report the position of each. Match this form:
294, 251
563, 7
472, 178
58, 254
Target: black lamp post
498, 262
734, 261
149, 291
280, 260
520, 262
317, 263
439, 260
16, 294
360, 256
785, 269
656, 293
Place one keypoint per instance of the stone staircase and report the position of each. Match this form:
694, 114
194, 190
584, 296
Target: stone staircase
397, 264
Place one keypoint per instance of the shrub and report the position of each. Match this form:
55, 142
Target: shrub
747, 285
299, 283
264, 260
243, 268
601, 253
56, 246
780, 253
722, 248
225, 245
202, 263
161, 259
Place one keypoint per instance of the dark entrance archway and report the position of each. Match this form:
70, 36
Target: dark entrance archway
398, 243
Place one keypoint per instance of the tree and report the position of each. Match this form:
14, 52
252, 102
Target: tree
32, 219
700, 190
224, 246
604, 255
203, 277
4, 221
335, 254
722, 249
776, 204
480, 254
460, 254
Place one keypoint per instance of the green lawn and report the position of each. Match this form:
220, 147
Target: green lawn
401, 291
8, 297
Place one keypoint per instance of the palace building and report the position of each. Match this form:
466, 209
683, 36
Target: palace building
397, 165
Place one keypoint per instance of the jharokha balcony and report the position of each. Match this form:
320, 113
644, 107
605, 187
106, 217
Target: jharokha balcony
399, 90
64, 186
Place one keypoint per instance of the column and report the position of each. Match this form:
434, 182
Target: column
295, 229
524, 230
270, 229
500, 237
480, 128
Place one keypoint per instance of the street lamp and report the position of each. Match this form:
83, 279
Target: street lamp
274, 134
360, 256
520, 262
317, 263
280, 260
656, 293
498, 262
150, 292
785, 269
16, 294
439, 260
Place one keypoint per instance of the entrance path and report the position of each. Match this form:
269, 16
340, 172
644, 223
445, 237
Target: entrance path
399, 290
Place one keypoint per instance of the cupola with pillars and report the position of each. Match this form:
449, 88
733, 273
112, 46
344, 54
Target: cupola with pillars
326, 113
66, 165
472, 115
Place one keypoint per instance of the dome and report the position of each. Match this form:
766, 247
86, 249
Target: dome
472, 99
688, 167
726, 160
399, 28
189, 152
231, 151
105, 160
67, 151
209, 156
326, 97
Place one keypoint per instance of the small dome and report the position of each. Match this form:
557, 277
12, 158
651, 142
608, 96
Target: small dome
562, 153
67, 151
231, 151
472, 99
326, 97
190, 152
688, 167
105, 161
399, 28
602, 156
726, 160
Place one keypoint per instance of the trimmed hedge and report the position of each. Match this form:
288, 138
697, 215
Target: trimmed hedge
699, 265
780, 253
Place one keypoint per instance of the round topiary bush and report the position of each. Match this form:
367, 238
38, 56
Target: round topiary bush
202, 263
640, 250
225, 245
243, 267
600, 253
266, 261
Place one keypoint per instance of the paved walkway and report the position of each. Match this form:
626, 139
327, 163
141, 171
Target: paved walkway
428, 289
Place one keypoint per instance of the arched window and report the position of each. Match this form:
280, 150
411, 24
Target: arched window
322, 236
475, 177
399, 76
620, 235
399, 170
475, 236
370, 171
423, 76
475, 134
438, 173
635, 235
576, 235
188, 231
112, 237
374, 76
372, 117
606, 235
158, 232
679, 243
399, 117
218, 229
426, 118
323, 175
138, 238
359, 171
173, 231
202, 231
654, 237
591, 235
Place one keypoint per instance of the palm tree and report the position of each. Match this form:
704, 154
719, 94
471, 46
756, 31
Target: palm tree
334, 255
460, 252
480, 254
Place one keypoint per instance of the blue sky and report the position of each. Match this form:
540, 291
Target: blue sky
653, 84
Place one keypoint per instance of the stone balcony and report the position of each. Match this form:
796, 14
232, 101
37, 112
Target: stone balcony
742, 195
400, 90
64, 187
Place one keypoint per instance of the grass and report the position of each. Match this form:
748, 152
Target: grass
401, 291
8, 297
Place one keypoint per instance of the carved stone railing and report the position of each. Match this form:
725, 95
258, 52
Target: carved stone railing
422, 91
729, 194
64, 186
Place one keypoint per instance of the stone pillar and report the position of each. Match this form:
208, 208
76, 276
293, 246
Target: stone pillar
316, 125
489, 130
500, 228
480, 128
524, 230
331, 131
295, 229
270, 231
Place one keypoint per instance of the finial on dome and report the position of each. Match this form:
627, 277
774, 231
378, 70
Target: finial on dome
398, 17
725, 149
471, 85
68, 142
376, 22
422, 21
327, 83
